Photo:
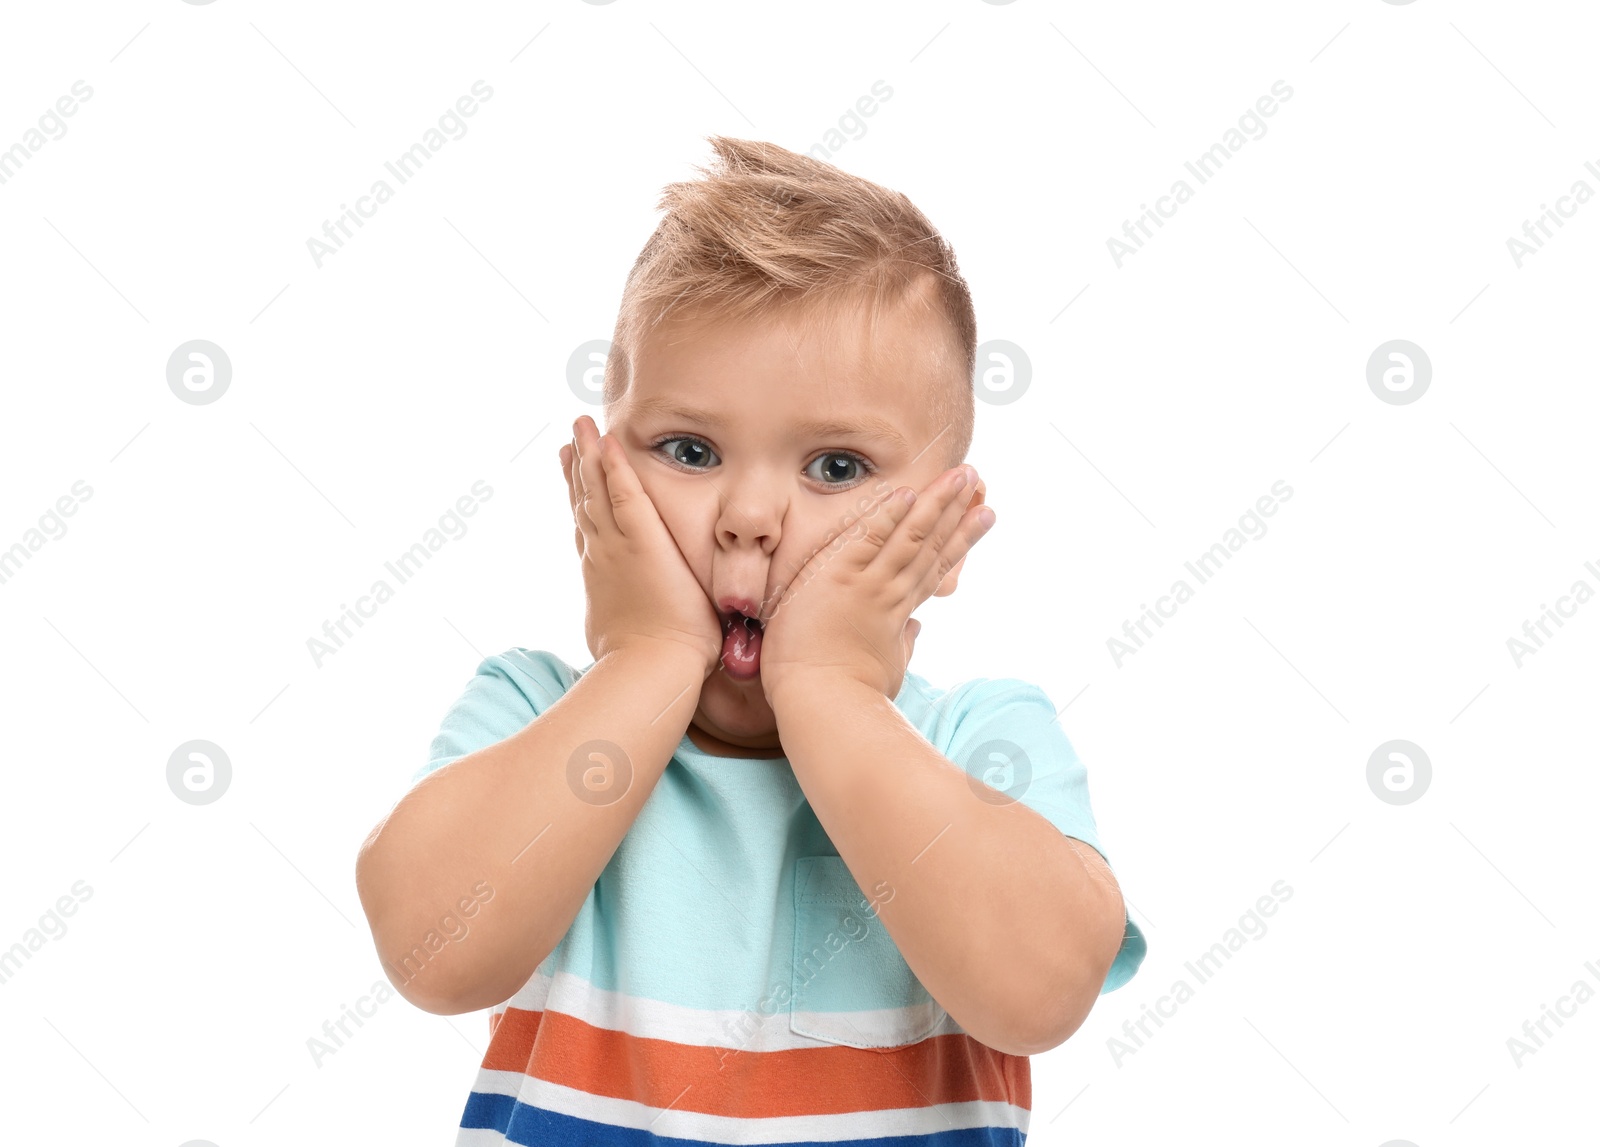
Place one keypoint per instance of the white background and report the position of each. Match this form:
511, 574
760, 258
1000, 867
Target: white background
369, 394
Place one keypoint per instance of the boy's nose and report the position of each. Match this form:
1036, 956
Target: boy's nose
750, 517
742, 531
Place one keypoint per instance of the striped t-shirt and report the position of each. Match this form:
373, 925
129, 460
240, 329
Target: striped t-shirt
726, 980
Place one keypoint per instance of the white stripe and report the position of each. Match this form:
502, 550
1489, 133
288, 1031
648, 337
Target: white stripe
479, 1137
749, 1030
673, 1122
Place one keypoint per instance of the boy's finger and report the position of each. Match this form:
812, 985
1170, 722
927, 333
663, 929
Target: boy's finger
596, 499
931, 519
566, 455
949, 519
878, 523
574, 479
567, 472
627, 496
580, 511
930, 567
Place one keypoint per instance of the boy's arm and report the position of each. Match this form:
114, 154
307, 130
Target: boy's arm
473, 820
1009, 924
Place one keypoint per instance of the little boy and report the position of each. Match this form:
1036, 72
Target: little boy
744, 878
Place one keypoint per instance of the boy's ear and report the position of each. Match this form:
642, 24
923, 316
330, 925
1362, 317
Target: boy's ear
948, 585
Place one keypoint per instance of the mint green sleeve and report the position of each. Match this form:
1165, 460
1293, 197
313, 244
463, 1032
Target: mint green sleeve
502, 697
1008, 740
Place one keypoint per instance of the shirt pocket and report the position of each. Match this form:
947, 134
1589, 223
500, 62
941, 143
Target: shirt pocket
849, 985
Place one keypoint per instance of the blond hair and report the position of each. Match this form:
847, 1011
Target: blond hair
769, 229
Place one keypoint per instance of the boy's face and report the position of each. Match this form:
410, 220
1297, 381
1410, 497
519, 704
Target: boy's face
749, 490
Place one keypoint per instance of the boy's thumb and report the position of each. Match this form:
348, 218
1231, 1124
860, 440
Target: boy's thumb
913, 627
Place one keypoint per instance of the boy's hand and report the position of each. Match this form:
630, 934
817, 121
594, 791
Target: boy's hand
846, 611
637, 584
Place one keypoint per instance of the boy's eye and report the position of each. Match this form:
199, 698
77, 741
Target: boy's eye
690, 452
839, 467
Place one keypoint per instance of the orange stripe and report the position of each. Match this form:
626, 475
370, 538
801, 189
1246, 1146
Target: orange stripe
828, 1080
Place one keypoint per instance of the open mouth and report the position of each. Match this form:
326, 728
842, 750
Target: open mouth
741, 645
734, 617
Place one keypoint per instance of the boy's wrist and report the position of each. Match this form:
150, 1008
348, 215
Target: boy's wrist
665, 653
791, 689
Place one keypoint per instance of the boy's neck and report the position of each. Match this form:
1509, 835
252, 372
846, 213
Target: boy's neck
717, 747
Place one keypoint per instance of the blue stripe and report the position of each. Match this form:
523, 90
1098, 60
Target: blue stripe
535, 1127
